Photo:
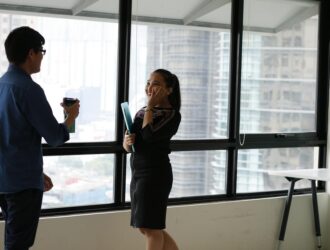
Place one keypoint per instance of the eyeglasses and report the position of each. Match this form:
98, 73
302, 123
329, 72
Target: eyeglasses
43, 51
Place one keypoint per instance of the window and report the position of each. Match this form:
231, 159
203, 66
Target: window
81, 62
253, 165
200, 59
79, 180
187, 53
274, 99
266, 63
250, 103
195, 173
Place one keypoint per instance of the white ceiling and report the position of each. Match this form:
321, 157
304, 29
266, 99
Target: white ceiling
62, 4
263, 15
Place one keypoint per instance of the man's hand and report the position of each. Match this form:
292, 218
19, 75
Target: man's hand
48, 184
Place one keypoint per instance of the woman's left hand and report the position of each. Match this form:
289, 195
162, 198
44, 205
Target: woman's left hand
157, 95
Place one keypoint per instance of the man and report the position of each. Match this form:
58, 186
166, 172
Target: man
25, 117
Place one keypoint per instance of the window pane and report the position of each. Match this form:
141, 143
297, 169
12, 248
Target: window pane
279, 67
199, 173
79, 180
195, 173
253, 165
81, 62
198, 56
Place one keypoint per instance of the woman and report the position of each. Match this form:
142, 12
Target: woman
153, 127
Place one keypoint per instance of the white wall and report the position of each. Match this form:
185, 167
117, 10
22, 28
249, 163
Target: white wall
326, 236
246, 225
328, 183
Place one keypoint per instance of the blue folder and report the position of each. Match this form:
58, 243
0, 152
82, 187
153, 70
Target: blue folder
127, 118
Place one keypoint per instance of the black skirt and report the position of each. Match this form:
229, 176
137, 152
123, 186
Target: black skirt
150, 190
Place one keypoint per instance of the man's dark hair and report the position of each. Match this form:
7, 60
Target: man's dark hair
20, 41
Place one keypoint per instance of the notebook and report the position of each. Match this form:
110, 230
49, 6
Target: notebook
127, 118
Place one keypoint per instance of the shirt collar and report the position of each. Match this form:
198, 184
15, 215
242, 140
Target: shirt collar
14, 67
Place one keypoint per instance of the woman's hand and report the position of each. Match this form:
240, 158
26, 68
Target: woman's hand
129, 140
156, 96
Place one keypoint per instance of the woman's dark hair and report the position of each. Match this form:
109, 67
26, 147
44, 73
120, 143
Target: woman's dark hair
20, 41
171, 81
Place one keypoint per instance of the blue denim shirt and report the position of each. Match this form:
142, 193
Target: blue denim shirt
25, 117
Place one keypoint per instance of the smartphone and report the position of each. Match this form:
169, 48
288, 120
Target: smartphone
68, 101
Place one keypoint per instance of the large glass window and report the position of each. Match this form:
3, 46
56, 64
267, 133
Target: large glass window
278, 90
254, 164
271, 124
279, 63
195, 173
199, 56
200, 59
198, 173
79, 180
81, 62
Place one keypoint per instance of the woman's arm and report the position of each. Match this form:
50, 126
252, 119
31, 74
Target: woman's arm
162, 129
147, 116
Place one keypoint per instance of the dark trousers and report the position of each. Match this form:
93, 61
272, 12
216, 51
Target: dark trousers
21, 212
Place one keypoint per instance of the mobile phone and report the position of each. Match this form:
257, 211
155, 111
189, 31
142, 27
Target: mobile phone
68, 101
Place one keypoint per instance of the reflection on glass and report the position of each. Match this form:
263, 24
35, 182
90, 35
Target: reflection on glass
278, 69
253, 165
79, 180
195, 173
81, 62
